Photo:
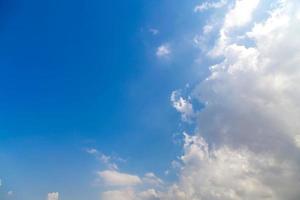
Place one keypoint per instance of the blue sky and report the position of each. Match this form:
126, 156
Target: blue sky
149, 100
83, 74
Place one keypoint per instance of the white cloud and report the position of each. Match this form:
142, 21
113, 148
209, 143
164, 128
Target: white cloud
115, 178
154, 31
207, 29
241, 13
163, 50
130, 194
151, 179
251, 93
210, 5
183, 106
10, 193
118, 195
252, 110
53, 196
108, 161
232, 174
130, 187
149, 194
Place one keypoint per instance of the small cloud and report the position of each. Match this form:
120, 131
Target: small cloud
163, 51
115, 178
53, 196
10, 193
183, 106
154, 31
108, 161
207, 29
210, 5
151, 179
92, 151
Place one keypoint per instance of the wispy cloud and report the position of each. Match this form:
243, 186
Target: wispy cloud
53, 196
210, 5
115, 178
183, 106
108, 161
163, 50
154, 31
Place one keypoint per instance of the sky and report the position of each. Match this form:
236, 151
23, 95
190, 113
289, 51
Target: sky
149, 100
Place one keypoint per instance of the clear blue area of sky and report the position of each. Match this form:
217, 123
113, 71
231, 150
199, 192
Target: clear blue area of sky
76, 74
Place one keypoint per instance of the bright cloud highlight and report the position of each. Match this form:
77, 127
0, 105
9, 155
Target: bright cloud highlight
53, 196
163, 51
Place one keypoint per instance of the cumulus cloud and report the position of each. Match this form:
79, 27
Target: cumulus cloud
53, 196
252, 107
163, 50
252, 95
115, 178
183, 106
130, 187
225, 173
241, 13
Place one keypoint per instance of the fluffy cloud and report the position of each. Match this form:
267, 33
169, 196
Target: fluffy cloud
241, 13
252, 107
130, 187
252, 97
183, 106
151, 179
53, 196
163, 50
232, 174
115, 178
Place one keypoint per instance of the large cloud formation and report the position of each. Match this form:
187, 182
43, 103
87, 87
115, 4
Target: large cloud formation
247, 144
252, 108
